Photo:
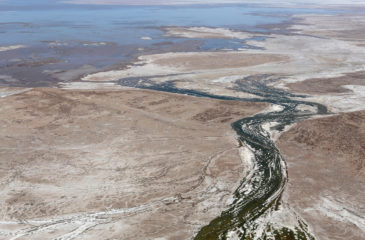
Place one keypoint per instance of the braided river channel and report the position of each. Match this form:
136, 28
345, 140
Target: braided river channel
259, 193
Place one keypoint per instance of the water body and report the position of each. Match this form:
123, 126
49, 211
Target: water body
259, 193
59, 37
30, 21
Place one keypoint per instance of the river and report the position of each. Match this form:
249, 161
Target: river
260, 192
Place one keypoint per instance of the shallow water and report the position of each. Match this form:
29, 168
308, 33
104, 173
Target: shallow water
34, 21
102, 35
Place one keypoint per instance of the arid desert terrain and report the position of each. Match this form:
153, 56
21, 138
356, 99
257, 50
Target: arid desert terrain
146, 148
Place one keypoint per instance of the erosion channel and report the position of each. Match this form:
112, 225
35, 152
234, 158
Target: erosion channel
260, 191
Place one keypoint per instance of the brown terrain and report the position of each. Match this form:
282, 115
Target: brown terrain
326, 165
218, 60
328, 85
91, 164
348, 26
135, 164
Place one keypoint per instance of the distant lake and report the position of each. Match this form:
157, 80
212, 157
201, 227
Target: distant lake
61, 36
34, 21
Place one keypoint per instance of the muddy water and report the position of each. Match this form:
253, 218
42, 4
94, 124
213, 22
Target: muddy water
261, 192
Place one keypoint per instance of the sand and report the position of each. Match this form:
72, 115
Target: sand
326, 165
206, 32
9, 48
91, 164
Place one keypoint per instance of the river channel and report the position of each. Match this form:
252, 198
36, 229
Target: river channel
261, 191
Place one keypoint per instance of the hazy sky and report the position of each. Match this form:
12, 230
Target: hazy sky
301, 2
169, 2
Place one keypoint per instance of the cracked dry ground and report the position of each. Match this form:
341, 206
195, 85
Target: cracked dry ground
126, 164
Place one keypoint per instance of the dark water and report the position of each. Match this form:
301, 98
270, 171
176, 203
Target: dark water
268, 181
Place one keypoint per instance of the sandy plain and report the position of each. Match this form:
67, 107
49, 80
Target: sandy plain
206, 32
326, 165
325, 156
83, 168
